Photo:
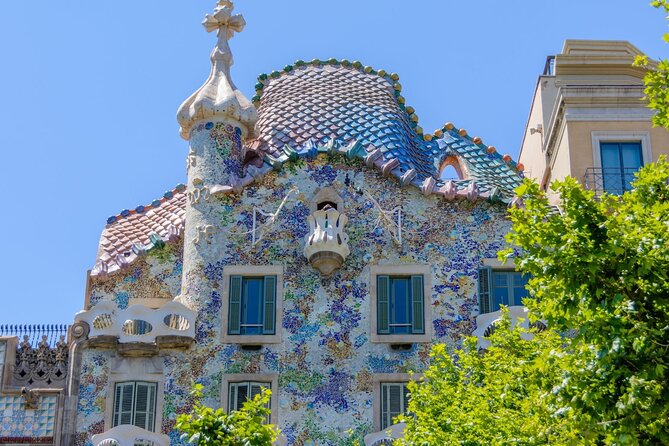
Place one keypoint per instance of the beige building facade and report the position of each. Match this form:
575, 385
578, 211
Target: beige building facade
588, 119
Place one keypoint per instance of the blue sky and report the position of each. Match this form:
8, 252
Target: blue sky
89, 92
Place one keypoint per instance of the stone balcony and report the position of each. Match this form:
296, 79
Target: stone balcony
128, 435
326, 244
485, 324
139, 330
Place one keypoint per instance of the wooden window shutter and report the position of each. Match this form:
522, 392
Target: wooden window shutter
269, 317
485, 279
124, 403
418, 303
382, 304
235, 305
145, 400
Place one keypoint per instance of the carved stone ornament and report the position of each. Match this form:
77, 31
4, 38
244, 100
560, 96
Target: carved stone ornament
219, 98
41, 367
128, 435
31, 398
326, 243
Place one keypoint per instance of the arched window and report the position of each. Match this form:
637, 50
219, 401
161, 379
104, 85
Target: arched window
452, 169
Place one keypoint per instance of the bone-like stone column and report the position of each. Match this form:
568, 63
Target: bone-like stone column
216, 119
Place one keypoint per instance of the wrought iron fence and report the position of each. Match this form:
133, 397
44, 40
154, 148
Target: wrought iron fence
611, 180
36, 332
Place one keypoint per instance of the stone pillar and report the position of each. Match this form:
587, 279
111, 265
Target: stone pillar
216, 120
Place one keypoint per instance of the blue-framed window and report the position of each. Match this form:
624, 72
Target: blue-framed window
500, 287
252, 305
400, 304
620, 160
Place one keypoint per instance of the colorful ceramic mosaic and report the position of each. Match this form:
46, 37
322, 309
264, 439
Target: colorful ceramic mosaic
18, 422
326, 361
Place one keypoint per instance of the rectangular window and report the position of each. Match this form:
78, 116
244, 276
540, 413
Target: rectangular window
400, 304
499, 287
135, 404
620, 160
252, 306
394, 401
240, 392
3, 349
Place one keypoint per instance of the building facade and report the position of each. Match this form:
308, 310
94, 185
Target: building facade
315, 250
589, 120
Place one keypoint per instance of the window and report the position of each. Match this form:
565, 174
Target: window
620, 160
394, 401
400, 304
236, 388
3, 349
241, 392
252, 310
500, 287
135, 404
252, 305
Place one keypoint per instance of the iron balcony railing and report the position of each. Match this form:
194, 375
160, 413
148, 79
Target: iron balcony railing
611, 180
35, 333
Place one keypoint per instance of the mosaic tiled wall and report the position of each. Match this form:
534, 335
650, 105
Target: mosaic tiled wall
326, 363
155, 275
18, 424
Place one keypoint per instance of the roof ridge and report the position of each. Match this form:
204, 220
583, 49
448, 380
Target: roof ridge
393, 80
168, 195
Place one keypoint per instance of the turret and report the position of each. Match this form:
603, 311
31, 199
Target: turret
216, 120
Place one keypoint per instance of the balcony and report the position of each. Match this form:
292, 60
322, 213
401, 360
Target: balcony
139, 330
612, 180
127, 435
486, 322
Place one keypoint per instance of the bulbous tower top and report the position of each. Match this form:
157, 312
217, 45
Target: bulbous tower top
219, 98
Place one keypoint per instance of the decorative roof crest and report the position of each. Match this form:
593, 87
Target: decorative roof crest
219, 98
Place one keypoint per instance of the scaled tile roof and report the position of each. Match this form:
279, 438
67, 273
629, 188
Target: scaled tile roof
133, 232
322, 106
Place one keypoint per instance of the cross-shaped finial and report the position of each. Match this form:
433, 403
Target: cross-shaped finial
222, 19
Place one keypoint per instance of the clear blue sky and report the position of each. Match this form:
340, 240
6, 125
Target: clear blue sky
89, 92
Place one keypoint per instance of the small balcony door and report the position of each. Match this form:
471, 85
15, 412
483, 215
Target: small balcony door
620, 160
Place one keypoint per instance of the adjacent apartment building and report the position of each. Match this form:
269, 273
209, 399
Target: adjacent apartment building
588, 119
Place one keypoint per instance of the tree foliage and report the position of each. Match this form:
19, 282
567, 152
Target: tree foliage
602, 269
214, 427
601, 275
656, 79
496, 398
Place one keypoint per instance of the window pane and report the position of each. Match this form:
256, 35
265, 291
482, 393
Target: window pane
519, 290
500, 294
400, 305
252, 305
610, 155
631, 155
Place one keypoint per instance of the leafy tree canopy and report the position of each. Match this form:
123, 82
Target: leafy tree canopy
214, 427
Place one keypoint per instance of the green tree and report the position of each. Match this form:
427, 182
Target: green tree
246, 427
601, 269
496, 398
657, 79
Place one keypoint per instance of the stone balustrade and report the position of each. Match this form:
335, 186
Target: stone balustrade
170, 326
386, 436
485, 324
128, 435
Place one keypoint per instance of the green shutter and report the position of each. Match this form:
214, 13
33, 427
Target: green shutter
382, 304
145, 402
124, 403
269, 317
235, 308
485, 278
418, 300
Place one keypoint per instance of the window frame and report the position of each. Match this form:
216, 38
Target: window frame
620, 136
271, 378
493, 266
252, 271
378, 380
143, 369
8, 360
134, 411
407, 270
